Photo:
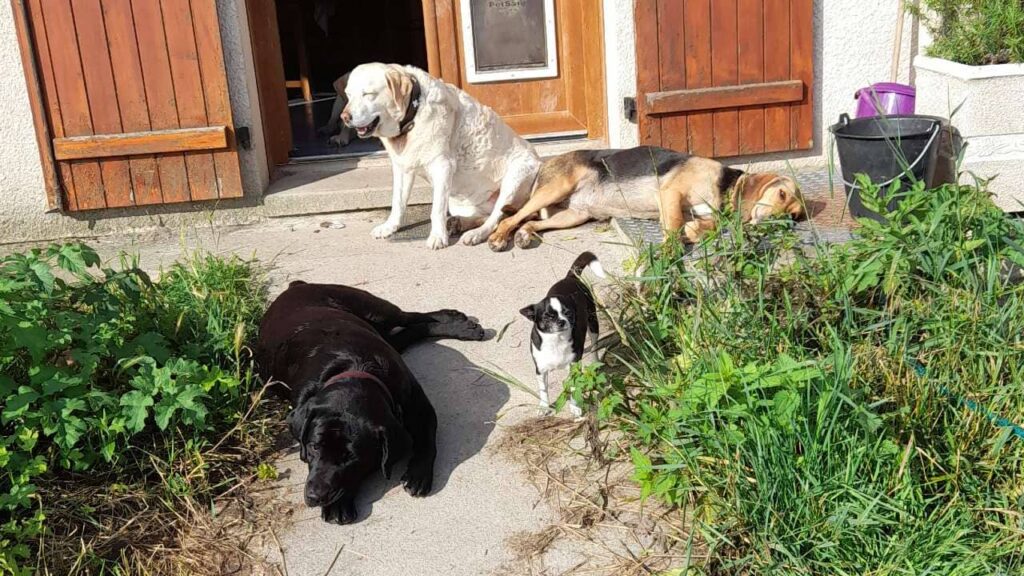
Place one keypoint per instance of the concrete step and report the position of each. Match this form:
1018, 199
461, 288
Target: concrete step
362, 183
324, 187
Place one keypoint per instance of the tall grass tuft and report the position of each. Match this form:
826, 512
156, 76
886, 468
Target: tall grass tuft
125, 409
845, 409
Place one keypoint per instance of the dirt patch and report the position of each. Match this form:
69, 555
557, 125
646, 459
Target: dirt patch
605, 527
152, 525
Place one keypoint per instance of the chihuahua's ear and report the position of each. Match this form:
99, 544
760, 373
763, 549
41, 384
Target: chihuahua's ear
340, 84
530, 312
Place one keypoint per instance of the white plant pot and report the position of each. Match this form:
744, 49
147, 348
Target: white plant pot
990, 119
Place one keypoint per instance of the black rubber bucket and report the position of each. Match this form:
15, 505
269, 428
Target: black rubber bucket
886, 149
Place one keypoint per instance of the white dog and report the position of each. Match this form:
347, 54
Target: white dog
475, 163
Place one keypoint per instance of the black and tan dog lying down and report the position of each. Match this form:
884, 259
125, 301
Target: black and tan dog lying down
686, 193
335, 351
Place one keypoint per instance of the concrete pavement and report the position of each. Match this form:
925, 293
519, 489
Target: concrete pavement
480, 498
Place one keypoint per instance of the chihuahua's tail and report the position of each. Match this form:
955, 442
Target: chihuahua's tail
584, 261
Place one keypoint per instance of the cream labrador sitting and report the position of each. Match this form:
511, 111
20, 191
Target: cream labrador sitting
475, 163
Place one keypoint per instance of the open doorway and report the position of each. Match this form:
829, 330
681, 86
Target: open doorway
321, 40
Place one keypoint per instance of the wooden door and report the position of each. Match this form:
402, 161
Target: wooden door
134, 100
725, 77
571, 103
273, 92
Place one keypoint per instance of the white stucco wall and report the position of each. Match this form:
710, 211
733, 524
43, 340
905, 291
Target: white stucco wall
21, 178
23, 214
853, 42
853, 48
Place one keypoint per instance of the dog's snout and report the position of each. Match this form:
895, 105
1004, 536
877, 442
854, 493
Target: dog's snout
316, 494
346, 117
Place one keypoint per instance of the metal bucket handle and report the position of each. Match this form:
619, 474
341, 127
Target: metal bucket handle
844, 119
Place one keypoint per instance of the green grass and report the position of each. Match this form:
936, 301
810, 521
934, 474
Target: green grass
124, 404
976, 32
810, 410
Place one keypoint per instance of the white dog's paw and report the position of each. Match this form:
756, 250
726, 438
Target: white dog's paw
385, 230
437, 241
475, 236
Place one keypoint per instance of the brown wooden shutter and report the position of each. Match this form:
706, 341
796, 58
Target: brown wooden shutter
135, 99
725, 77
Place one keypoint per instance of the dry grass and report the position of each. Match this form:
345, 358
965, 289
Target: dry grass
604, 527
145, 526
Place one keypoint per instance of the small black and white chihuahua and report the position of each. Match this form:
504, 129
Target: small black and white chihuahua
562, 323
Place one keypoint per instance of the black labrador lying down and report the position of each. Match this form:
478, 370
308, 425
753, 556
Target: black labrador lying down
357, 408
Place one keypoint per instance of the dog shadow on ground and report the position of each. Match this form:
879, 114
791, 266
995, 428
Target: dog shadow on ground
467, 402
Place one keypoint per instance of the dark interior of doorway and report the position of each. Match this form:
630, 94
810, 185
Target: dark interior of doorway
323, 39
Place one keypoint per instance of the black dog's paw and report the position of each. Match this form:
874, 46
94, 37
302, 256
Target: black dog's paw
466, 329
455, 324
445, 316
342, 512
418, 480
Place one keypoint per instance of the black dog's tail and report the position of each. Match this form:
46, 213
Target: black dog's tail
584, 261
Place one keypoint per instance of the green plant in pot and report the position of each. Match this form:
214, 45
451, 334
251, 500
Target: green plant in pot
975, 32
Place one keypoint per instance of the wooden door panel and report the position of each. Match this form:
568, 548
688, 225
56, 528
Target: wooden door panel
776, 67
649, 71
269, 63
671, 69
802, 66
160, 97
725, 77
134, 99
571, 102
724, 73
697, 49
131, 97
216, 96
750, 53
188, 90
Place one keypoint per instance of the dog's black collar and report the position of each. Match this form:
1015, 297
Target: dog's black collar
361, 375
410, 111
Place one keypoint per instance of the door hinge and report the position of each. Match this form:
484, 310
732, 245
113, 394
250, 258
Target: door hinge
244, 137
629, 108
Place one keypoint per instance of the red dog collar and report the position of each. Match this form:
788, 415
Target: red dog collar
361, 375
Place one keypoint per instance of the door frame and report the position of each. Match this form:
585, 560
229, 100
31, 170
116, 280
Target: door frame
440, 18
443, 57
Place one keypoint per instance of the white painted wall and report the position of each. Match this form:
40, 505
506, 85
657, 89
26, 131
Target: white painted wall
853, 41
23, 214
21, 178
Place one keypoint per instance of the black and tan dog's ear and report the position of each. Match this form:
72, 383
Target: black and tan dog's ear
340, 84
530, 312
395, 444
400, 86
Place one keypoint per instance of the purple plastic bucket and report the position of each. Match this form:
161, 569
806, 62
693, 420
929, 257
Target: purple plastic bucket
885, 98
